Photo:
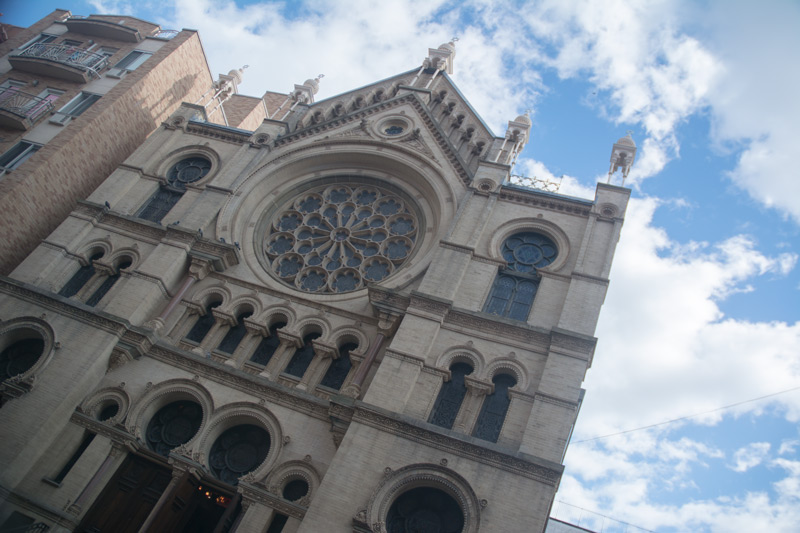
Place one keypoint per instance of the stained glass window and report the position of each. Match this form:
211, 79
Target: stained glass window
203, 324
452, 393
80, 278
19, 357
335, 238
295, 489
425, 509
106, 286
302, 357
160, 204
234, 335
515, 287
173, 425
266, 348
337, 372
495, 406
237, 451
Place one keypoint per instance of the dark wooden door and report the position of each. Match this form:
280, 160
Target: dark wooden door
128, 498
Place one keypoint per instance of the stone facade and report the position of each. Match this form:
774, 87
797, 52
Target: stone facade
323, 279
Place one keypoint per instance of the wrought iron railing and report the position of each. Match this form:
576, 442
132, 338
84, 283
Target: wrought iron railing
166, 34
22, 104
535, 183
69, 55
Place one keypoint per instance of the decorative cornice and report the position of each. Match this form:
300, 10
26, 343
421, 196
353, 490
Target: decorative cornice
240, 380
408, 358
537, 199
253, 492
70, 308
552, 400
409, 98
209, 130
548, 474
497, 327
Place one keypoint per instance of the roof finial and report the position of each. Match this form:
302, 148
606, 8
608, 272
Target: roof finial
622, 155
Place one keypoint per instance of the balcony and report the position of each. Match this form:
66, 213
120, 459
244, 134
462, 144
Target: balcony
59, 61
20, 110
102, 28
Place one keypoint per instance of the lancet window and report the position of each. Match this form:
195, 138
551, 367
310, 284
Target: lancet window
203, 324
268, 345
80, 278
495, 406
107, 284
234, 335
450, 397
186, 171
302, 357
340, 367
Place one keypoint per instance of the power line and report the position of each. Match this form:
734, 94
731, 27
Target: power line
687, 416
604, 517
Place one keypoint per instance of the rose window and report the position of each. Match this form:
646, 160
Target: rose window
188, 170
336, 238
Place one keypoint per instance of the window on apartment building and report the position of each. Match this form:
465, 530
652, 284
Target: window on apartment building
133, 60
43, 38
17, 155
75, 107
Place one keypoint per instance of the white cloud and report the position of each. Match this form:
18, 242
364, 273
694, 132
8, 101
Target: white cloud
749, 456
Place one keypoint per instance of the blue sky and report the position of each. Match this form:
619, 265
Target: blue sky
702, 310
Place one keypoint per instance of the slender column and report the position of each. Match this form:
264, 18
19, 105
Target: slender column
228, 512
386, 327
281, 356
255, 332
471, 406
198, 270
178, 477
322, 354
116, 451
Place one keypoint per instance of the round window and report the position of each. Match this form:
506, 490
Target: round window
336, 238
173, 425
237, 451
19, 357
188, 170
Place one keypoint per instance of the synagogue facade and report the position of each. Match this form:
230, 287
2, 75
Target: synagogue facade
346, 318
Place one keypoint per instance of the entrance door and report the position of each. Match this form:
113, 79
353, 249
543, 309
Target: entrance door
128, 498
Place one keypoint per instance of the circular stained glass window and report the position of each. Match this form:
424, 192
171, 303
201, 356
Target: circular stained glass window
237, 451
188, 170
336, 238
525, 252
173, 425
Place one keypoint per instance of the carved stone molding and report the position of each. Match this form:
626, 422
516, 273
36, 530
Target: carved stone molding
534, 198
552, 400
256, 493
408, 358
548, 474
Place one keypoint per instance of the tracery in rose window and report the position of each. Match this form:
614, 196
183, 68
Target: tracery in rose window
336, 238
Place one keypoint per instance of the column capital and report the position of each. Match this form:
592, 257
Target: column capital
478, 387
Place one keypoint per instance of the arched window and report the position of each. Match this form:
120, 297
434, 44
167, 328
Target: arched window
266, 348
234, 335
80, 278
302, 357
425, 509
203, 324
337, 372
173, 425
19, 357
515, 287
109, 282
188, 170
495, 406
450, 397
295, 489
160, 204
237, 451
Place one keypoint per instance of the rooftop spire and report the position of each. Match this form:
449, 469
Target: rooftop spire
622, 155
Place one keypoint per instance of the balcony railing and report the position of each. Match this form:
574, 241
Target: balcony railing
21, 110
165, 34
68, 55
